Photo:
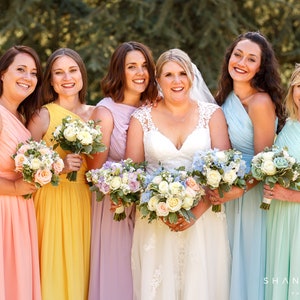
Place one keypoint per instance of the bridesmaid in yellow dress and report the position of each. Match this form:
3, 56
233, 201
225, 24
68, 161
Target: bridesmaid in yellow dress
21, 77
63, 212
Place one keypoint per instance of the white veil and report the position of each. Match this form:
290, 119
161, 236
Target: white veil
199, 90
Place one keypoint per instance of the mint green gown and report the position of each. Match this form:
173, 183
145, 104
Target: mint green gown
282, 279
246, 221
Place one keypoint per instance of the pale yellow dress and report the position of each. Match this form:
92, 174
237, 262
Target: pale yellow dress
64, 225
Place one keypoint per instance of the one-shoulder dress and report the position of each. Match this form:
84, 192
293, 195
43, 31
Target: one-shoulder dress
64, 225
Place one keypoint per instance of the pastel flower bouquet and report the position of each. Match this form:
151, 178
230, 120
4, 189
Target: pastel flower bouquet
170, 194
123, 181
274, 165
220, 169
78, 137
38, 163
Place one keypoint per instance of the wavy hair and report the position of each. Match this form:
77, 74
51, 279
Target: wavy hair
267, 79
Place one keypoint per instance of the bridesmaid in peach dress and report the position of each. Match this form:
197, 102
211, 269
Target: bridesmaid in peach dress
21, 77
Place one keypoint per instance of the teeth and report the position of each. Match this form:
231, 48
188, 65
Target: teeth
139, 81
68, 85
23, 85
177, 89
239, 70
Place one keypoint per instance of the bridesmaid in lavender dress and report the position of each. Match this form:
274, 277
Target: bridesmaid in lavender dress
130, 81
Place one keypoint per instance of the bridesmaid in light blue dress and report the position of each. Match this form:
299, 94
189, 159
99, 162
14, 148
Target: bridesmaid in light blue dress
250, 95
283, 219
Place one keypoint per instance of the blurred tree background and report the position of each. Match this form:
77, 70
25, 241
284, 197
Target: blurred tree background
201, 28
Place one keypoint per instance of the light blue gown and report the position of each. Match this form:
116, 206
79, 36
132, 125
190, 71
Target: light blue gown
282, 279
246, 221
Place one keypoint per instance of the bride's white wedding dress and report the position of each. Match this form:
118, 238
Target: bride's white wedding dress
188, 265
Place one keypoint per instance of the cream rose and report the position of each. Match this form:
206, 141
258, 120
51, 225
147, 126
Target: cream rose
163, 187
70, 133
187, 203
35, 164
175, 188
120, 209
43, 176
23, 148
268, 167
115, 183
152, 203
85, 137
230, 177
174, 203
213, 178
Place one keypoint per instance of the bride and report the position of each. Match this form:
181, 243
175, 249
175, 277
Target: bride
184, 261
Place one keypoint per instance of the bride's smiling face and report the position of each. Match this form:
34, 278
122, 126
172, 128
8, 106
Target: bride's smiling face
174, 81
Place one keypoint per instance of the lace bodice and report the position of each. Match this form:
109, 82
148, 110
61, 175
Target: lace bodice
158, 148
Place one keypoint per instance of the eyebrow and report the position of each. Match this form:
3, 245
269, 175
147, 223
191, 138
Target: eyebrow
26, 66
249, 53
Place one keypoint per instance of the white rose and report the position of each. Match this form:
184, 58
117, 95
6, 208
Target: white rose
157, 179
176, 188
115, 183
70, 133
125, 178
230, 177
221, 156
268, 167
163, 187
267, 155
35, 164
57, 131
162, 209
85, 137
187, 203
189, 192
174, 203
153, 201
213, 178
120, 209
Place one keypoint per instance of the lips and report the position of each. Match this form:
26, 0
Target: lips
139, 81
240, 71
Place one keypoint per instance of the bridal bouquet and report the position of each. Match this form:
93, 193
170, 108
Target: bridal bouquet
220, 170
38, 163
170, 194
78, 137
274, 165
122, 180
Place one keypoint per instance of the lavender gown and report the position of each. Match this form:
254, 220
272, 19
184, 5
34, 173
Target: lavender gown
111, 241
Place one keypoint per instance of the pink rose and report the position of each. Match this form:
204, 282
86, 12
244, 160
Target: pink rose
19, 161
191, 182
45, 151
43, 176
162, 209
58, 166
24, 148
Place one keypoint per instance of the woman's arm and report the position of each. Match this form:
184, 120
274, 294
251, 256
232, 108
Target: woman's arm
135, 143
104, 116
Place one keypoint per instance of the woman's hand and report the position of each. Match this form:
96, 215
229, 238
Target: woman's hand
215, 199
23, 187
72, 163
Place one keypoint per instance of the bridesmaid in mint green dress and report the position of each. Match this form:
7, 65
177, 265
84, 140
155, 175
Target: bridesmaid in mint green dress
282, 279
250, 95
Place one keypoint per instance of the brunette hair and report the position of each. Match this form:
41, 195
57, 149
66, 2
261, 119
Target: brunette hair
113, 84
30, 103
48, 92
267, 79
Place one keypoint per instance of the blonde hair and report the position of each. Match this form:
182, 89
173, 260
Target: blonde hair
178, 56
290, 105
